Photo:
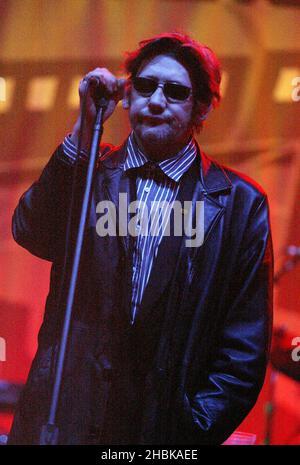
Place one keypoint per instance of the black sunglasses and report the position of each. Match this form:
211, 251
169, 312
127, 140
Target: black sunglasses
172, 91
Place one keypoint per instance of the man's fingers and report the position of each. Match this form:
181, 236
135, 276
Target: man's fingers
115, 87
104, 80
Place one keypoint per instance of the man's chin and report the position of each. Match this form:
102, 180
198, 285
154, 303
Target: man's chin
155, 135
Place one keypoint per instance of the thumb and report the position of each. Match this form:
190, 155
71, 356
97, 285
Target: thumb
121, 84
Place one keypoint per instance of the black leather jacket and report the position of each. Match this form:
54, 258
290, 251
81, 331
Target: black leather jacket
202, 336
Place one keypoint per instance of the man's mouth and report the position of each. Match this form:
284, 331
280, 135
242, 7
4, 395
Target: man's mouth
152, 120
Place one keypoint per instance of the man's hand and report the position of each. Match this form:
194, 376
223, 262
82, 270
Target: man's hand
115, 90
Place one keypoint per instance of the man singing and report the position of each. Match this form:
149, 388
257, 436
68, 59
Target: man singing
170, 333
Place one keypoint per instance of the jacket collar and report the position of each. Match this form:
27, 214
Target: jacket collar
212, 175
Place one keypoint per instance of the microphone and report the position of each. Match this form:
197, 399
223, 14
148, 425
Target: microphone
101, 90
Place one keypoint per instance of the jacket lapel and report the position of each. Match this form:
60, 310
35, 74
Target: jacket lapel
118, 185
120, 188
200, 183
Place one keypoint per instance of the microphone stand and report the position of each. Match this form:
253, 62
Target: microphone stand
50, 431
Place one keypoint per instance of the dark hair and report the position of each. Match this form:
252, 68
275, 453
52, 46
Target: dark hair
200, 61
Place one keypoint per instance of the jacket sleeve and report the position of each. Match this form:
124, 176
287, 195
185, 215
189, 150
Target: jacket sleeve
237, 368
40, 218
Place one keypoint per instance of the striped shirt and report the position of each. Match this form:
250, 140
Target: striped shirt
157, 185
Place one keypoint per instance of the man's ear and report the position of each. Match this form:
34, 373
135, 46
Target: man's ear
201, 112
126, 97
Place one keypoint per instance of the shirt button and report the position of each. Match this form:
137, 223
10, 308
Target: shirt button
147, 189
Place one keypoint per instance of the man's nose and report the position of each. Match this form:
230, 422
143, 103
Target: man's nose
157, 101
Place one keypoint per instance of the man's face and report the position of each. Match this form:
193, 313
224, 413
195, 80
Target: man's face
162, 125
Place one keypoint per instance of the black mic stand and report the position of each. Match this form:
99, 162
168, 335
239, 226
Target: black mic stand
50, 431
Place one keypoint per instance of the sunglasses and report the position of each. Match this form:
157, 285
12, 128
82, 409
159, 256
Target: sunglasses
172, 91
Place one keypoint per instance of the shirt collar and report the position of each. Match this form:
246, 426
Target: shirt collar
173, 167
